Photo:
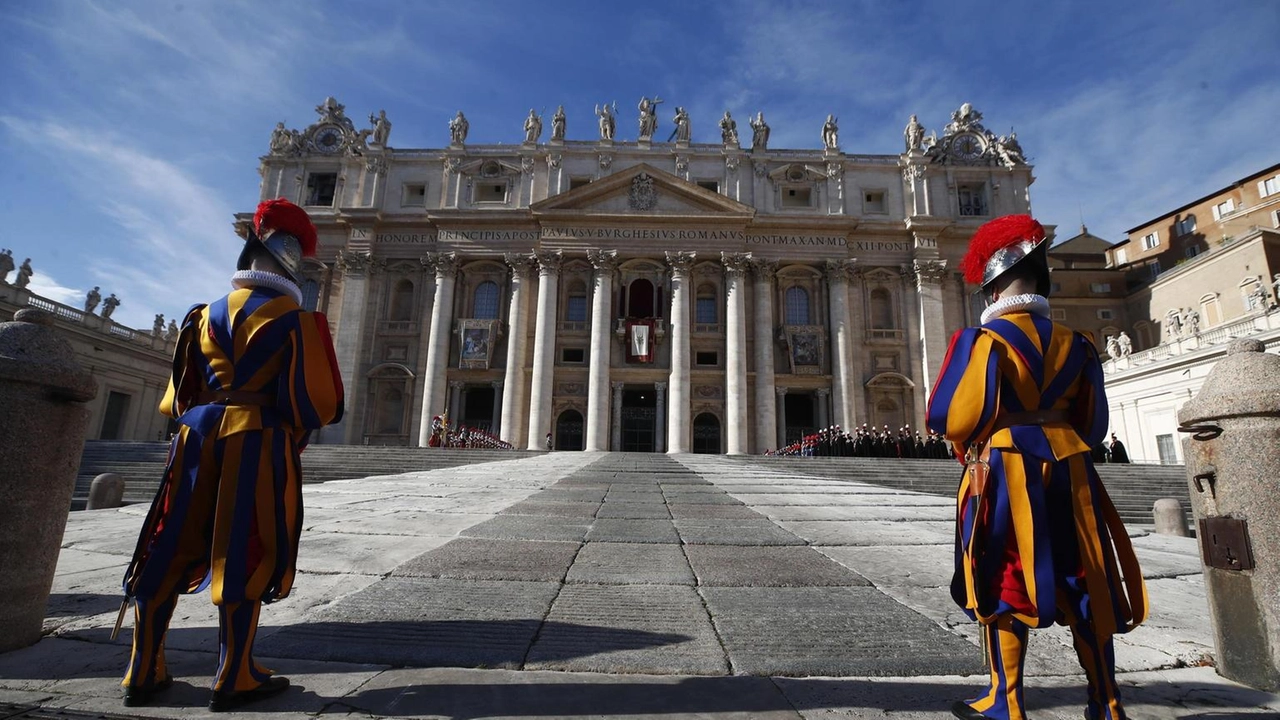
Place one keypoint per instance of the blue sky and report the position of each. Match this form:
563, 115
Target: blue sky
131, 131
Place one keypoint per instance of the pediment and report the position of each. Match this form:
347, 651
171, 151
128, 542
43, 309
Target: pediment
797, 173
489, 168
640, 191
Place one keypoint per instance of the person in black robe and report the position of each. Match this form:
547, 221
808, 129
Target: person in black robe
1118, 453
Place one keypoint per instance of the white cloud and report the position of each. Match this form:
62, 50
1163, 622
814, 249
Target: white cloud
46, 286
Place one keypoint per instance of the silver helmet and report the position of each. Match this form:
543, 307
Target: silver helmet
284, 247
1006, 257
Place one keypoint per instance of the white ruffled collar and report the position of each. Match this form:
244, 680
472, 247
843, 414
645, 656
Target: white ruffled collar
1029, 302
271, 281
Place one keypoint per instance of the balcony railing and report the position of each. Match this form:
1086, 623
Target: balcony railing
572, 326
879, 334
400, 327
708, 328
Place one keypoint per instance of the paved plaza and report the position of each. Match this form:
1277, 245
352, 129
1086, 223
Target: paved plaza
591, 585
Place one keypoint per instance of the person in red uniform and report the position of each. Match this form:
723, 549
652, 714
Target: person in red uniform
1038, 540
253, 375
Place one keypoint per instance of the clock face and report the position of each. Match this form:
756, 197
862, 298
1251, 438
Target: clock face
328, 139
967, 146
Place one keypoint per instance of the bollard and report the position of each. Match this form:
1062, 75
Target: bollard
1169, 516
43, 421
106, 491
1233, 460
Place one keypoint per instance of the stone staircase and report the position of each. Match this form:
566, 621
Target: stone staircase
1133, 488
142, 463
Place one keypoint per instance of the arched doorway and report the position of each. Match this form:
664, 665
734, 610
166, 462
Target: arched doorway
569, 431
706, 434
639, 420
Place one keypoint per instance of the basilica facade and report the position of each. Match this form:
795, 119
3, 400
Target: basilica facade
616, 294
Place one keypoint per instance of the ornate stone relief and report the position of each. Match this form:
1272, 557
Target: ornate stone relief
642, 196
735, 264
554, 160
965, 141
549, 261
680, 262
376, 164
929, 271
839, 270
332, 134
444, 264
604, 261
353, 262
606, 161
763, 268
731, 163
520, 263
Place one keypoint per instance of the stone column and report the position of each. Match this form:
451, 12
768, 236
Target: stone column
824, 400
929, 276
735, 376
513, 385
544, 349
433, 376
855, 381
841, 341
659, 434
616, 439
678, 415
781, 399
455, 402
495, 421
604, 261
355, 269
766, 413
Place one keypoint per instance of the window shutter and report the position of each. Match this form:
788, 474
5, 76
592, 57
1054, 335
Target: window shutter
1262, 188
1216, 214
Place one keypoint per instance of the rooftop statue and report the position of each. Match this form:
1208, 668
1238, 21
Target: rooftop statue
607, 121
831, 133
381, 128
532, 127
458, 128
728, 130
649, 116
557, 124
759, 132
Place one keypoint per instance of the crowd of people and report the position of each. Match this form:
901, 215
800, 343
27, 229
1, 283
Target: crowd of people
867, 441
461, 436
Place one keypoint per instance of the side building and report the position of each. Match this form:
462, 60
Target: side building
130, 367
635, 294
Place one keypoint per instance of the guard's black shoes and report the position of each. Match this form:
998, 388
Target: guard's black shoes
962, 710
225, 700
139, 695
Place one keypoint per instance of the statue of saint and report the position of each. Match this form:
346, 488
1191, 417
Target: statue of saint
914, 134
649, 116
109, 305
831, 133
1257, 299
1113, 346
24, 274
1191, 321
1275, 281
607, 122
171, 332
1010, 150
92, 299
157, 328
281, 140
532, 127
6, 264
1173, 323
681, 120
729, 130
458, 128
557, 124
759, 132
1126, 345
381, 128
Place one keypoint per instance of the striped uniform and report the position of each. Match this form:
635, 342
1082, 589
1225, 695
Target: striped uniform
1042, 542
229, 510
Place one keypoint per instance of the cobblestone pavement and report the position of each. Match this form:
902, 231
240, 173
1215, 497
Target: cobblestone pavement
597, 585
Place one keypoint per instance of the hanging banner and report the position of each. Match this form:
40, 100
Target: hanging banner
477, 343
640, 341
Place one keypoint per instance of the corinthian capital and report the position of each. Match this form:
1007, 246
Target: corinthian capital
735, 264
929, 271
604, 261
840, 270
549, 262
520, 263
353, 262
443, 264
763, 269
680, 262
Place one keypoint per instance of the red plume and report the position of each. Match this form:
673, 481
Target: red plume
280, 214
994, 235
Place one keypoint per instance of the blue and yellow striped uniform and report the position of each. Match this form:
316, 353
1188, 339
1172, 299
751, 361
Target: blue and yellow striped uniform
1042, 542
228, 513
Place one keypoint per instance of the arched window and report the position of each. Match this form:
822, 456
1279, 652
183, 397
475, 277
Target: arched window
797, 306
882, 310
575, 306
486, 301
310, 295
401, 301
706, 310
640, 299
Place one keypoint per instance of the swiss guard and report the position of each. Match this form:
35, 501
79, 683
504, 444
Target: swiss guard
1038, 541
253, 375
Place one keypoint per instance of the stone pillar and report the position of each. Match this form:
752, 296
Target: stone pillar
766, 414
495, 420
1233, 460
513, 386
43, 391
616, 439
455, 402
855, 382
350, 341
678, 415
433, 375
604, 261
660, 421
544, 349
735, 376
781, 399
929, 276
824, 402
841, 341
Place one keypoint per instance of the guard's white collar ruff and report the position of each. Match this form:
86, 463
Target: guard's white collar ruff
271, 281
1029, 302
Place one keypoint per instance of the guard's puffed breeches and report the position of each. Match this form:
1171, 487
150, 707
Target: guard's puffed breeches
1007, 651
237, 628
